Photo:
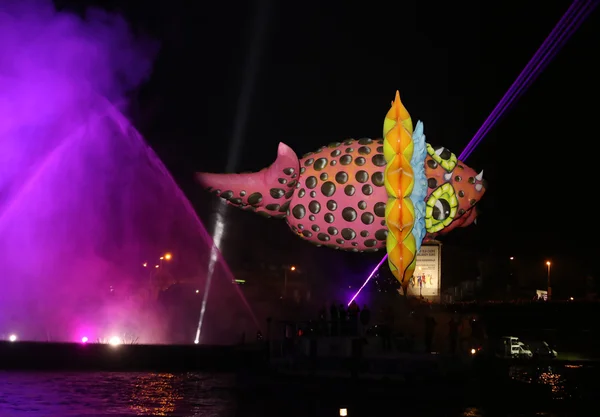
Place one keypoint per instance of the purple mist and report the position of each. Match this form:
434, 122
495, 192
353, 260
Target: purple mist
84, 202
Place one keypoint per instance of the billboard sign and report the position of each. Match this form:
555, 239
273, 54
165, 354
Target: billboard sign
426, 281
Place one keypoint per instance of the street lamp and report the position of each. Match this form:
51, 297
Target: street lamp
285, 279
548, 263
168, 256
512, 258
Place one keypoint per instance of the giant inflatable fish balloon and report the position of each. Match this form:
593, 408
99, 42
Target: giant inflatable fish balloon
363, 195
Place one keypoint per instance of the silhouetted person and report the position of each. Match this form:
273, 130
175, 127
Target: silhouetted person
365, 318
335, 319
353, 312
453, 325
429, 328
343, 317
387, 328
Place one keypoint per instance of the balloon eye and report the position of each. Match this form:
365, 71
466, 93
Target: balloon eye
441, 208
443, 157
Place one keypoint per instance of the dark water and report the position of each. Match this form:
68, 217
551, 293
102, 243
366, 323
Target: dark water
213, 395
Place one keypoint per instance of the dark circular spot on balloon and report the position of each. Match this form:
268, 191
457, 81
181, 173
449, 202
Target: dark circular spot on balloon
272, 207
432, 164
379, 209
311, 182
362, 205
383, 222
323, 237
320, 163
276, 192
335, 153
349, 214
349, 190
461, 193
299, 211
289, 171
309, 162
381, 234
348, 234
264, 214
313, 194
367, 189
346, 160
314, 207
354, 244
329, 218
315, 228
333, 162
458, 178
364, 233
378, 160
282, 180
284, 207
332, 230
378, 179
301, 192
311, 218
362, 176
324, 176
367, 218
289, 193
340, 241
379, 149
328, 189
334, 145
348, 141
446, 154
302, 170
242, 193
349, 150
236, 200
292, 183
364, 150
341, 177
461, 211
331, 205
471, 180
472, 202
306, 233
301, 226
370, 243
360, 161
365, 141
227, 195
255, 198
432, 183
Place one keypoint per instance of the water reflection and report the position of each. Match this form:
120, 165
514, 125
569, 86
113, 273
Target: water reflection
155, 394
546, 376
472, 412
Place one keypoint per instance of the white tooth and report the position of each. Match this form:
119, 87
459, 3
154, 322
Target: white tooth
478, 187
448, 176
475, 221
479, 176
439, 151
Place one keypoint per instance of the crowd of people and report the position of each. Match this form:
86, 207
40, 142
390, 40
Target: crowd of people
338, 320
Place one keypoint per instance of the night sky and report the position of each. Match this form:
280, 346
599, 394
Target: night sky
328, 70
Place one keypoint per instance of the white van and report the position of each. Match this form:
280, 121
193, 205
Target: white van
512, 347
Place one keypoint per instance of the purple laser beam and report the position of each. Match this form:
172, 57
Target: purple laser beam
368, 279
499, 109
508, 100
548, 43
